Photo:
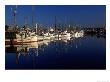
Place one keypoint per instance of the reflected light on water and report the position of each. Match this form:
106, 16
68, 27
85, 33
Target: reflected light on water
74, 53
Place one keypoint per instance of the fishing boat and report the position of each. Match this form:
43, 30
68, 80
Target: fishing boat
79, 34
65, 35
49, 35
20, 38
24, 35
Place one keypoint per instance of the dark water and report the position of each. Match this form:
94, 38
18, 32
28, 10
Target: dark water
79, 53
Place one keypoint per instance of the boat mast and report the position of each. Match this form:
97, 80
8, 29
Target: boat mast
55, 24
26, 20
14, 12
33, 16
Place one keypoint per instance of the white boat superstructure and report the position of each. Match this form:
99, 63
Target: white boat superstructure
26, 37
65, 35
79, 34
48, 36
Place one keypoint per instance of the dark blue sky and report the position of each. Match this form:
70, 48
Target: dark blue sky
69, 14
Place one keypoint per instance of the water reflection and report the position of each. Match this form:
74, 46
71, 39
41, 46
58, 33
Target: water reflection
58, 54
26, 49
